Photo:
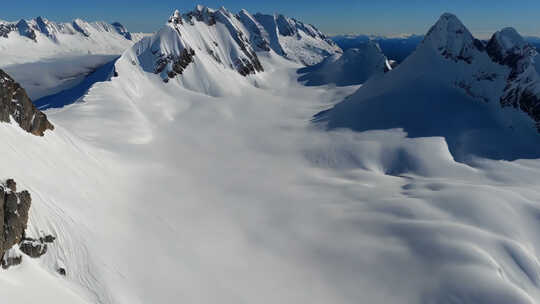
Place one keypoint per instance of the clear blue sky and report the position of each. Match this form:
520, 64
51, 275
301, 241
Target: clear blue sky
331, 16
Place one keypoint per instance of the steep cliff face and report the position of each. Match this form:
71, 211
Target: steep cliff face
14, 208
14, 211
15, 104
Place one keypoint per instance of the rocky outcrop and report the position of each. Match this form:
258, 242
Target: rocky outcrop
14, 208
5, 29
33, 248
15, 104
176, 63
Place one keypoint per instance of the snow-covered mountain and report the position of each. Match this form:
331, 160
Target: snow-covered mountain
39, 38
354, 66
194, 49
453, 85
46, 57
395, 48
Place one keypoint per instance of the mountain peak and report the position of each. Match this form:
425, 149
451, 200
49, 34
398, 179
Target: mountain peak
508, 47
176, 17
452, 39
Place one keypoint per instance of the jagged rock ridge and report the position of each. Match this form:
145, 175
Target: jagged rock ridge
14, 208
50, 30
230, 40
15, 103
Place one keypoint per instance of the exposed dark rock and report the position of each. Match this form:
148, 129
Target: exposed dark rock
48, 239
14, 208
176, 18
5, 29
25, 29
11, 184
175, 64
33, 248
61, 271
15, 103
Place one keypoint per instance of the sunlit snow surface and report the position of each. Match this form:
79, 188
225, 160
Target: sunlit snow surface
161, 194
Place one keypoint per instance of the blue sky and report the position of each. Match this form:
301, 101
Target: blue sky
386, 17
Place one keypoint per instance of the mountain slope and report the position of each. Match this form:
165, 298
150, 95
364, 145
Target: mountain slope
46, 57
354, 66
453, 86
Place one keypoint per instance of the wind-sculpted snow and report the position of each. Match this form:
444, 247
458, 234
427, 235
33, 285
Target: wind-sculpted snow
157, 193
161, 193
354, 66
451, 86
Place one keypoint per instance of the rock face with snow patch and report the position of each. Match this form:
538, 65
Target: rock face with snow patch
210, 38
452, 39
14, 208
15, 104
354, 66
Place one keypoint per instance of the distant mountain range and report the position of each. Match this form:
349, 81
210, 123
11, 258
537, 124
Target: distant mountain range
396, 48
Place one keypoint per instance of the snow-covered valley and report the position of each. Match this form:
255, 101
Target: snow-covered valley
209, 186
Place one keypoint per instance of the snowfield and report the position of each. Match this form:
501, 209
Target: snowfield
161, 192
158, 192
